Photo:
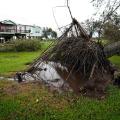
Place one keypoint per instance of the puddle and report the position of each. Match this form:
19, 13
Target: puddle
1, 78
53, 75
4, 78
60, 78
46, 72
57, 76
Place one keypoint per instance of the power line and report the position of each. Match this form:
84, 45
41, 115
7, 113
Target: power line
56, 20
67, 6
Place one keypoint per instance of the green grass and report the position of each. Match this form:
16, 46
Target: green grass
11, 62
35, 102
115, 60
104, 41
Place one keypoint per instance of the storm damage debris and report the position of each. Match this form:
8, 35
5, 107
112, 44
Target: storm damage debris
80, 63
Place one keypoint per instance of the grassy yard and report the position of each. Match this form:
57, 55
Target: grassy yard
32, 101
35, 102
10, 62
115, 60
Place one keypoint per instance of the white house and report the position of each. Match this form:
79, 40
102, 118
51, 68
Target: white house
29, 30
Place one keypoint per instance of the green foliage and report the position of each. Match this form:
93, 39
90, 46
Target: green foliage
111, 28
93, 26
27, 46
48, 32
115, 60
6, 48
21, 45
111, 32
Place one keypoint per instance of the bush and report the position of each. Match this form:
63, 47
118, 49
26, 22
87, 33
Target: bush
21, 45
27, 45
7, 48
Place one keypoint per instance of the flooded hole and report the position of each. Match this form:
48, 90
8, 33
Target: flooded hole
56, 75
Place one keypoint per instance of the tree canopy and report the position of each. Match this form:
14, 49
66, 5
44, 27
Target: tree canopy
49, 33
107, 7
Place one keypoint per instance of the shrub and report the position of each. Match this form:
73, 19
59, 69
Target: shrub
7, 48
27, 45
21, 45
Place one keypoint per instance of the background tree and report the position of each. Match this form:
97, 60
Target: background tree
112, 28
107, 6
45, 33
54, 34
109, 29
49, 33
106, 9
93, 27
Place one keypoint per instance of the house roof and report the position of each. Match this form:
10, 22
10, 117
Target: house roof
9, 22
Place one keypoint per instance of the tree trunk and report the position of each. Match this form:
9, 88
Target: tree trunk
112, 49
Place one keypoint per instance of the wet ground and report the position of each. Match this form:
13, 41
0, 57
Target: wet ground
56, 76
5, 78
59, 78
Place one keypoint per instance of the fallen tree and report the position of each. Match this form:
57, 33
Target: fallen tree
82, 57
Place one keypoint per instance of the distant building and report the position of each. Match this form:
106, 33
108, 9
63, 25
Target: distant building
29, 31
9, 29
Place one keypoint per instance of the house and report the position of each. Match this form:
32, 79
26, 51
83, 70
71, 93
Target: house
29, 31
7, 26
21, 31
9, 29
35, 31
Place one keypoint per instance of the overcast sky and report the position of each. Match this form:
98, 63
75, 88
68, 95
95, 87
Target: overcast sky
39, 12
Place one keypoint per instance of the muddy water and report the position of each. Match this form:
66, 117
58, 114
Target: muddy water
74, 79
60, 78
55, 75
4, 78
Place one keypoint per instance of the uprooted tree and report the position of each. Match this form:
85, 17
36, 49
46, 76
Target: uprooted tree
76, 51
80, 56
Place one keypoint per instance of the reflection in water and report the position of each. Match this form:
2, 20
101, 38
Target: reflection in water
55, 75
5, 78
